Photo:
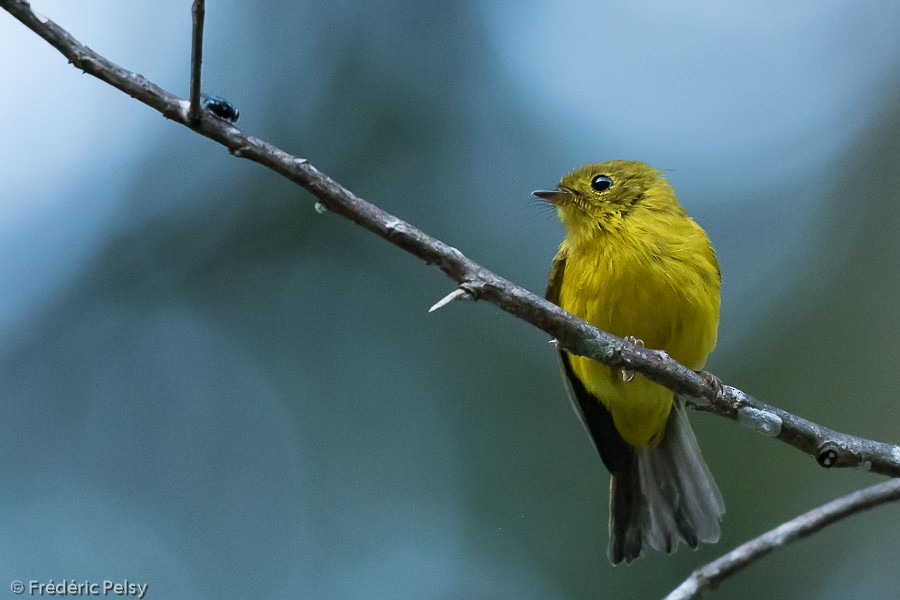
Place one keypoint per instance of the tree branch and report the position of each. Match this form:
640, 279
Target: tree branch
198, 13
710, 575
830, 448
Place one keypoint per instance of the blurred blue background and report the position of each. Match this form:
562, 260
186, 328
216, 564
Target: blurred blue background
211, 388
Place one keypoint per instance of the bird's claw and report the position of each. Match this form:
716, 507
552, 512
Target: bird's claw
626, 374
714, 382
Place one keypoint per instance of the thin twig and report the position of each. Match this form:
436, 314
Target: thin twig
830, 448
710, 575
198, 13
457, 294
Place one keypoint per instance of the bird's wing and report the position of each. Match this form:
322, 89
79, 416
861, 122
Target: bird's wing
617, 455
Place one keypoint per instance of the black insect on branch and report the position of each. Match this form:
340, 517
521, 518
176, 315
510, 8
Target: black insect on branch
703, 391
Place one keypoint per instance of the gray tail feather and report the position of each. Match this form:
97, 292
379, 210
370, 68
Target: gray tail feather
667, 495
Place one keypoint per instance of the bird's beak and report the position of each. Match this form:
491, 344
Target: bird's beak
557, 197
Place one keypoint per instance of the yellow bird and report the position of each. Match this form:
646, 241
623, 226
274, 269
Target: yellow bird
633, 263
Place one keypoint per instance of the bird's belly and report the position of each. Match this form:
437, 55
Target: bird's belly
639, 407
646, 307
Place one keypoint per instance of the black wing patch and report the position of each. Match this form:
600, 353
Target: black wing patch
617, 455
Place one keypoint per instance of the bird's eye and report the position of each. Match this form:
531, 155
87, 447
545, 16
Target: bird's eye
601, 183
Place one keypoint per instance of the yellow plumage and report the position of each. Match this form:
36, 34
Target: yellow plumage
652, 275
635, 264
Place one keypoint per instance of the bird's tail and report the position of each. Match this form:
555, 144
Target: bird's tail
666, 495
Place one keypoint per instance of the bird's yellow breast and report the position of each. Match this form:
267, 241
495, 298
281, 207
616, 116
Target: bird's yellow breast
660, 286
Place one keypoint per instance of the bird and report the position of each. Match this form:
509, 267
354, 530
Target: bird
634, 264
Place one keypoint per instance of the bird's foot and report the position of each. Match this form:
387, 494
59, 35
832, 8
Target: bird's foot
714, 382
626, 374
